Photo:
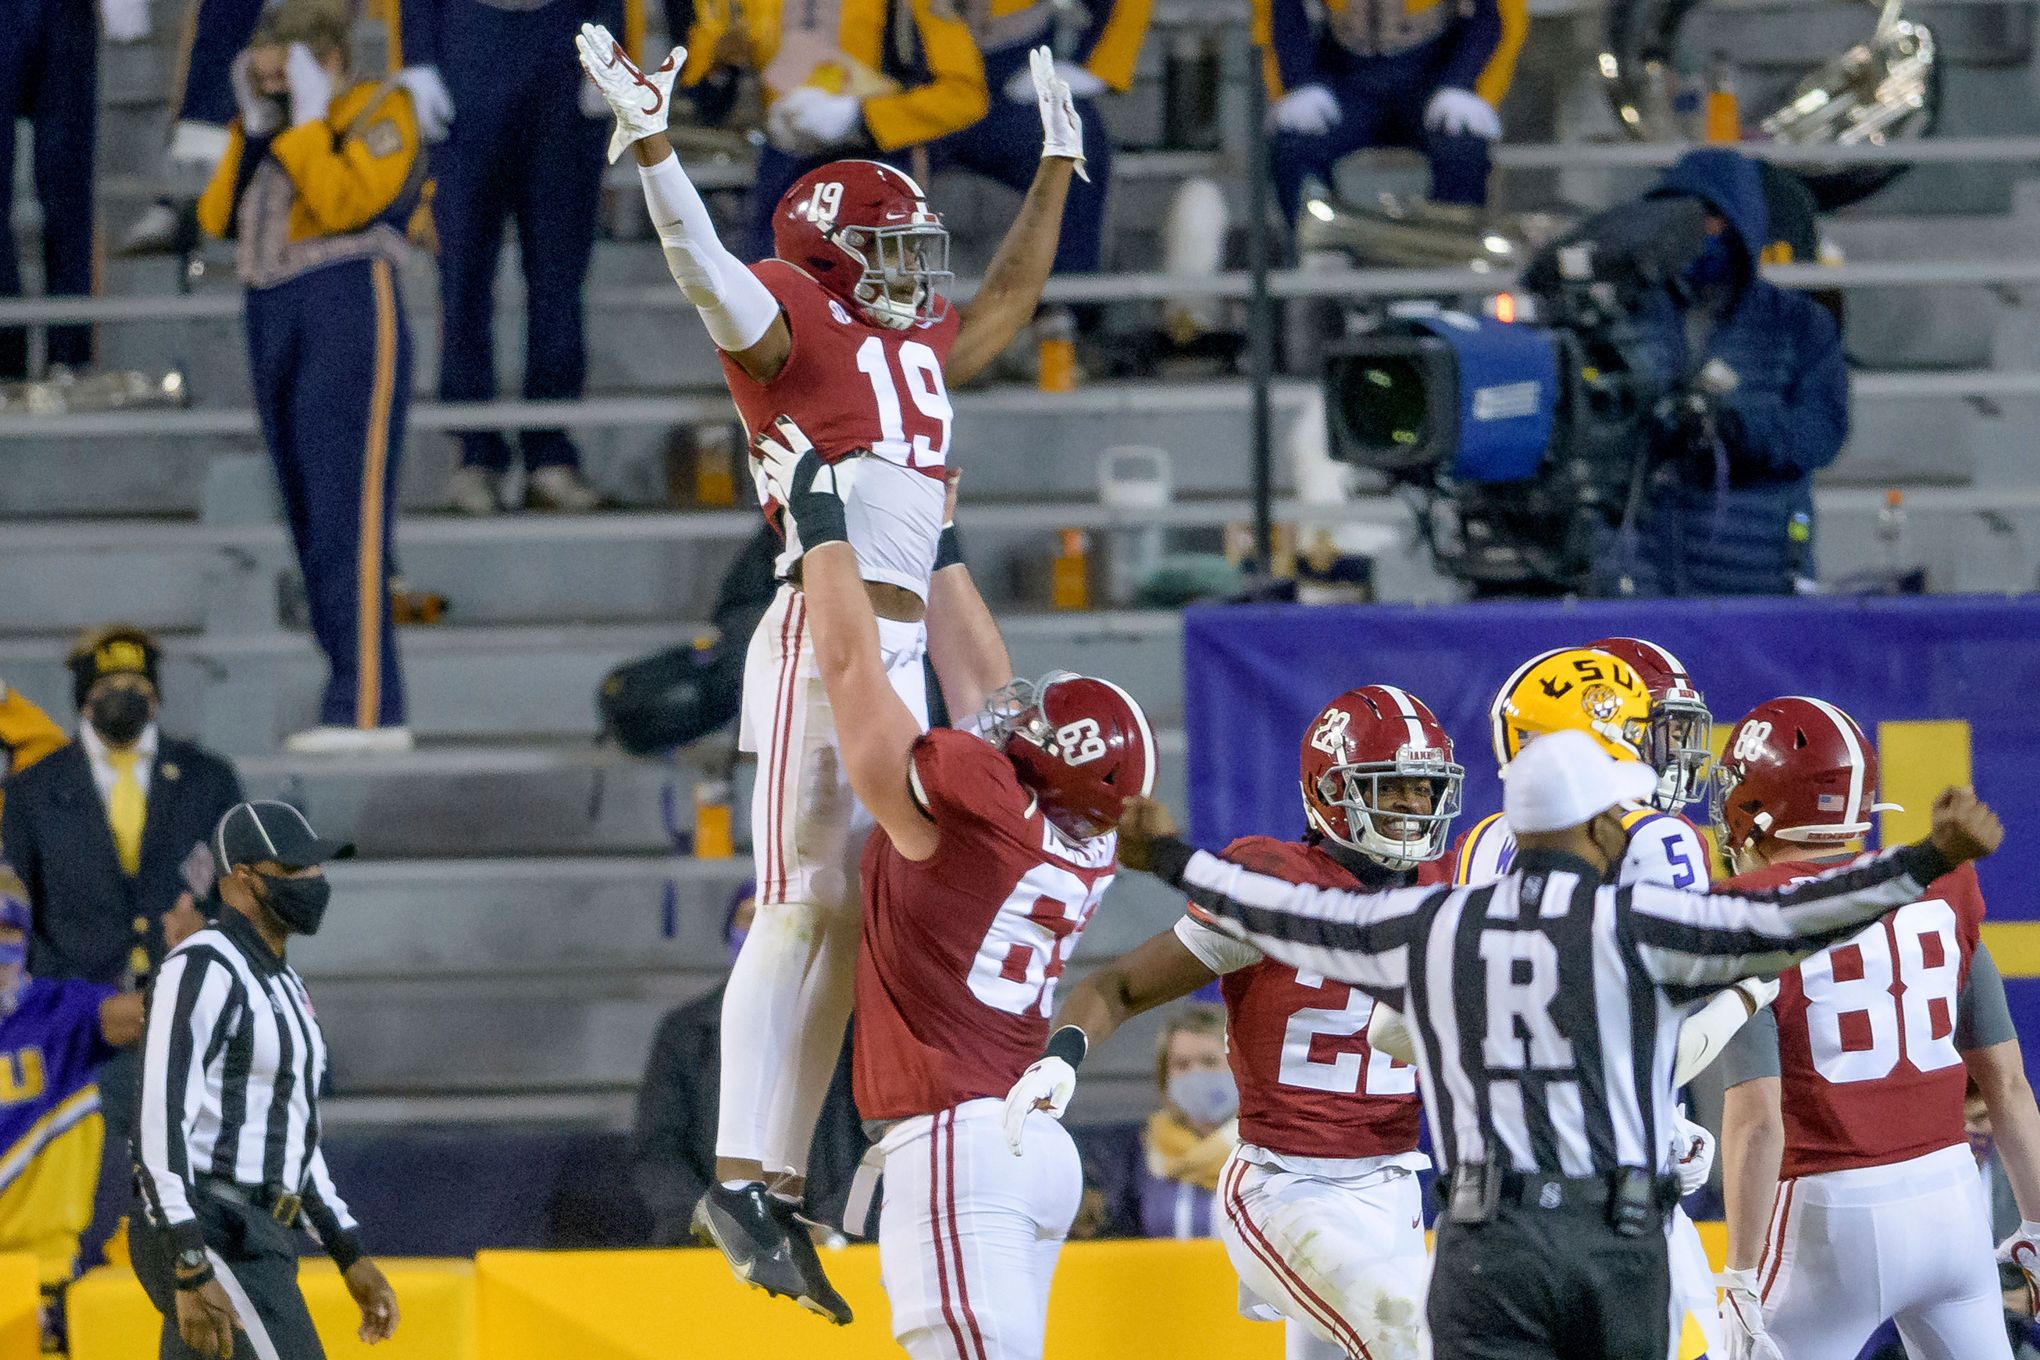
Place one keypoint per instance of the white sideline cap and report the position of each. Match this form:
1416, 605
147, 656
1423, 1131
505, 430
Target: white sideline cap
1565, 779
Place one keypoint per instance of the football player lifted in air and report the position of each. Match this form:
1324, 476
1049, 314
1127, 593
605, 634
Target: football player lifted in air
1320, 1210
993, 849
846, 331
1852, 1194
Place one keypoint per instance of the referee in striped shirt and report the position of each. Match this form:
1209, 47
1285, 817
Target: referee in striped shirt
227, 1157
1545, 1010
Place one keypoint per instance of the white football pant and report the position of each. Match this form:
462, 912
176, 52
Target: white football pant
1343, 1259
1911, 1241
968, 1234
789, 994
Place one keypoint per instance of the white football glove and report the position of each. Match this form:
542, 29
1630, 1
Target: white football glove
1457, 113
810, 120
1062, 133
1046, 1086
1309, 109
430, 100
311, 89
1743, 1335
641, 100
1083, 85
260, 114
776, 459
1692, 1153
124, 21
2022, 1249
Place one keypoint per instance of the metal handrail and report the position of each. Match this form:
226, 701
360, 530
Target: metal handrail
710, 526
1125, 399
1151, 286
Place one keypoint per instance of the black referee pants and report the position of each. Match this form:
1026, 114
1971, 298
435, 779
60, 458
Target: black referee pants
1532, 1283
255, 1259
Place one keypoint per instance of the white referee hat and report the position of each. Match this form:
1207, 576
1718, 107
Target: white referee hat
1565, 779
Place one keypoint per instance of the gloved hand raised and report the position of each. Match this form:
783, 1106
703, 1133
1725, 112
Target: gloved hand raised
641, 100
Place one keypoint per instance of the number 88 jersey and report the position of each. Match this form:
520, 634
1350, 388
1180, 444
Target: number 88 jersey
850, 385
1866, 1036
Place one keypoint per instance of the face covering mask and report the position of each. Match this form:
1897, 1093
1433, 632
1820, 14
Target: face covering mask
1715, 263
1205, 1097
119, 715
300, 903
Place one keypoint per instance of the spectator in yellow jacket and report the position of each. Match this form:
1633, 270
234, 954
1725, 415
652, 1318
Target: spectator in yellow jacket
321, 176
27, 734
862, 77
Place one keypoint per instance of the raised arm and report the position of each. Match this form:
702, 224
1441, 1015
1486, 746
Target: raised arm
1011, 289
1696, 943
1358, 938
742, 317
964, 643
876, 731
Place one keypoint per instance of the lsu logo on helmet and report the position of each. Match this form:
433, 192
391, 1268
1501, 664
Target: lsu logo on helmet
1572, 689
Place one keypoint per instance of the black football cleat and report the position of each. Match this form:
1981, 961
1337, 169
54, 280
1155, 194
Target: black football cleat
817, 1294
742, 1226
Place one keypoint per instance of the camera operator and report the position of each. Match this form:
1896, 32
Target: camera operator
1723, 502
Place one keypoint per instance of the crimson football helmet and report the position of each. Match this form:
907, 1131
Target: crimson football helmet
1081, 745
1795, 769
865, 232
1676, 743
1366, 736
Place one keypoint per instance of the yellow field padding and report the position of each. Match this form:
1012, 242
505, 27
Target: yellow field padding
1111, 1299
20, 1307
112, 1319
1177, 1299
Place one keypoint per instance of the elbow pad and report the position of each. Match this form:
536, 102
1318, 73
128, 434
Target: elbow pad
735, 307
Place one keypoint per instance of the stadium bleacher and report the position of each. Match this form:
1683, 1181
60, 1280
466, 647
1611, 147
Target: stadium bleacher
507, 944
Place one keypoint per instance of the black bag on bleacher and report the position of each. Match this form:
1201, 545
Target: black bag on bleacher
660, 702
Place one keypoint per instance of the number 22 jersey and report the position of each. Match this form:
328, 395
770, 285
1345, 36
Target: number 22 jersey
1309, 1084
851, 385
1866, 1036
962, 951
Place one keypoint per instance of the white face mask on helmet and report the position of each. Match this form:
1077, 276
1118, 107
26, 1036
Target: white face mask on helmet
905, 269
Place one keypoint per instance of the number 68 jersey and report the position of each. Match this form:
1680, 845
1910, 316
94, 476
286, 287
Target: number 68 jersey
851, 385
962, 952
1297, 1042
1866, 1036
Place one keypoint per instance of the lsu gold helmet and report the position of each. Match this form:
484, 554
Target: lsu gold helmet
1576, 689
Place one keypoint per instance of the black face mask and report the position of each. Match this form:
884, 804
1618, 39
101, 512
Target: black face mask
300, 903
119, 715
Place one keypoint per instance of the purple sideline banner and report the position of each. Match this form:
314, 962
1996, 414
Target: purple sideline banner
1952, 681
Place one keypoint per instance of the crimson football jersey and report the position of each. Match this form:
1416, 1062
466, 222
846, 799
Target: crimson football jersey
849, 384
1297, 1041
956, 977
1868, 1069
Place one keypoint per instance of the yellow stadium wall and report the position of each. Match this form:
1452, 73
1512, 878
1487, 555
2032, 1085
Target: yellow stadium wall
641, 1305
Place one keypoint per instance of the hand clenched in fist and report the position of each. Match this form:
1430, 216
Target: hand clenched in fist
1965, 828
1142, 822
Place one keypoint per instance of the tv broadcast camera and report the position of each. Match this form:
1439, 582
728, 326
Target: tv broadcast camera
1519, 438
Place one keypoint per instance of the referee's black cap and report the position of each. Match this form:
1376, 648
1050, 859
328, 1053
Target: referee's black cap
269, 830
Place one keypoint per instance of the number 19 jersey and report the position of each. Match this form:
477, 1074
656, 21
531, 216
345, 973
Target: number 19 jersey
1865, 1037
962, 952
851, 385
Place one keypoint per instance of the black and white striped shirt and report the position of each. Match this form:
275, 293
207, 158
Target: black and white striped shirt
231, 1067
1545, 1005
